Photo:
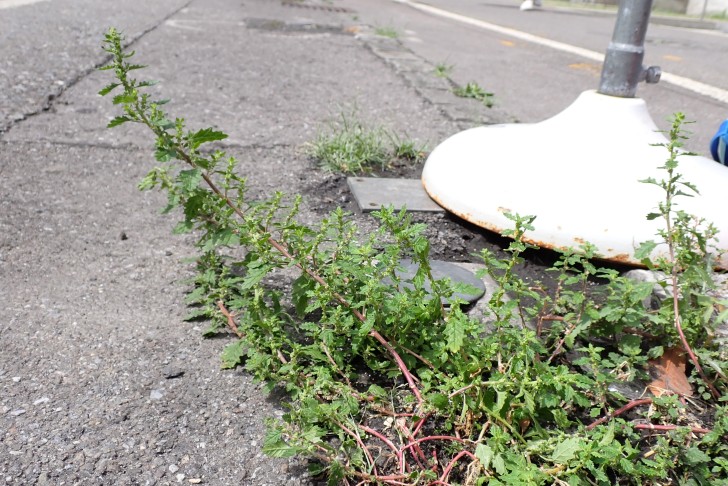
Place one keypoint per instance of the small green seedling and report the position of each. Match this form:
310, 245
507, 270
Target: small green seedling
443, 70
387, 32
474, 91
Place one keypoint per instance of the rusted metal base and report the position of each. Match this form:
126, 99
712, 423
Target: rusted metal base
578, 172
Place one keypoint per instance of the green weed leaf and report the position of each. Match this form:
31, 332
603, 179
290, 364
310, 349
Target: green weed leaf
108, 88
203, 136
645, 250
566, 450
275, 446
233, 354
484, 454
124, 98
119, 120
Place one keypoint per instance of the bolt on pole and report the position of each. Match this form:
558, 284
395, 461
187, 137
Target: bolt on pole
623, 69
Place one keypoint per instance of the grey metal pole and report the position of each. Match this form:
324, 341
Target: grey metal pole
623, 69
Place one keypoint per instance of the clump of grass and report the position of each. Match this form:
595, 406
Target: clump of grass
387, 32
474, 91
443, 70
351, 147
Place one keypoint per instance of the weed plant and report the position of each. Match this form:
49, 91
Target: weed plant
443, 70
388, 386
387, 32
474, 91
351, 147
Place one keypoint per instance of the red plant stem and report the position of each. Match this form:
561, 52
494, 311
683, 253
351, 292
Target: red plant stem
420, 423
688, 349
619, 411
695, 430
419, 456
433, 437
381, 437
455, 459
363, 447
338, 297
398, 360
230, 319
461, 390
561, 342
676, 306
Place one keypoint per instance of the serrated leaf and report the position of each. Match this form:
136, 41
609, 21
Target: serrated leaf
253, 276
336, 474
455, 334
124, 98
608, 437
163, 154
211, 330
571, 337
499, 464
197, 314
439, 401
189, 179
132, 67
183, 227
367, 326
275, 446
653, 216
119, 120
109, 88
301, 286
233, 354
163, 123
565, 451
630, 345
377, 391
695, 456
203, 136
484, 454
645, 250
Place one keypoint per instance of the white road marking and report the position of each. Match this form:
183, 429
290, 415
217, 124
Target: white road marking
680, 81
17, 3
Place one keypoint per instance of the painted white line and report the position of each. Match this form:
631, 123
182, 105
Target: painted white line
17, 3
680, 81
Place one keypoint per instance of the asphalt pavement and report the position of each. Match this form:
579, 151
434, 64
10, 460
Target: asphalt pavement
101, 380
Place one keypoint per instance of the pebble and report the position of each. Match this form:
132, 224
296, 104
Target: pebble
156, 394
17, 412
16, 379
41, 401
173, 469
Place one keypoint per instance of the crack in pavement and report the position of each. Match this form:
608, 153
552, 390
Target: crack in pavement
57, 91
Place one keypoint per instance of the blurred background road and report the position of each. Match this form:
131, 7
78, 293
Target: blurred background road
532, 80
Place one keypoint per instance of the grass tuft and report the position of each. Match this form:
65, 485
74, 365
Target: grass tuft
474, 91
351, 147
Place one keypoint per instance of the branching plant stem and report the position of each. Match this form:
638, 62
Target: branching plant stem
620, 411
459, 380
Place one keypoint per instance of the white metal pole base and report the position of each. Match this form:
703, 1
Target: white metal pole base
578, 172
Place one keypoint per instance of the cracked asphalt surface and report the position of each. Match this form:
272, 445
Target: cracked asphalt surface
101, 380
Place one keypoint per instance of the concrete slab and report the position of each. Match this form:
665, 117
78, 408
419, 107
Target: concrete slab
373, 193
